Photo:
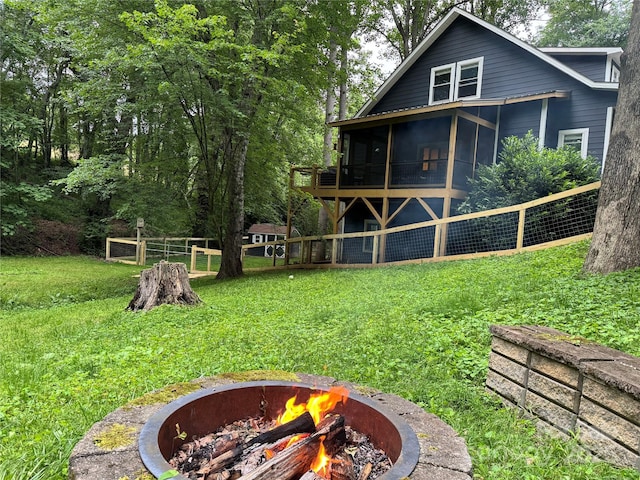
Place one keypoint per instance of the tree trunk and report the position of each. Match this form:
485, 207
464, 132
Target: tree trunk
615, 245
165, 283
329, 107
231, 261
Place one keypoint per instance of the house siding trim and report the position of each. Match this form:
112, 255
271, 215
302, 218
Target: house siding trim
542, 131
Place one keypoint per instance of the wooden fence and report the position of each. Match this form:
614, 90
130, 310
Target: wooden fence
555, 220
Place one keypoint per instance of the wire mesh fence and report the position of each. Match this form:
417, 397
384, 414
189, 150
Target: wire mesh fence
556, 219
148, 251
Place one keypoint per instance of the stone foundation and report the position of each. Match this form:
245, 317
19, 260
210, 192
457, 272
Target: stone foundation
443, 454
572, 385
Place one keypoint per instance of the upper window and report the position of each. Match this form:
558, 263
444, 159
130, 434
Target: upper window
456, 80
442, 83
577, 138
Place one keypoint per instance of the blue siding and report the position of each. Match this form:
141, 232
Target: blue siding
593, 67
508, 71
518, 119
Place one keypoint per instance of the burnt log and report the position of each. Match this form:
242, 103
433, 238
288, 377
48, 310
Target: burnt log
342, 468
295, 460
165, 283
302, 424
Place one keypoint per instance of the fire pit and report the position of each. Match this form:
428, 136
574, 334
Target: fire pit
203, 412
134, 441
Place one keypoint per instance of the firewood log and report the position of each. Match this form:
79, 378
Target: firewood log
295, 460
302, 424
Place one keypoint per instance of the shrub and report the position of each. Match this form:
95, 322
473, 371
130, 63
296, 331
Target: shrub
526, 172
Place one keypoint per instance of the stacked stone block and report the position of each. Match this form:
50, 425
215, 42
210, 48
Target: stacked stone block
572, 385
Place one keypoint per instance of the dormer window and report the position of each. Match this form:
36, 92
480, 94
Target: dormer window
455, 81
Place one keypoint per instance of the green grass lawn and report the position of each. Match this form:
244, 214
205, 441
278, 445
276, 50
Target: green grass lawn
70, 353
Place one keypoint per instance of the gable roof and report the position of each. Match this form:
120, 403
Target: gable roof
268, 228
443, 25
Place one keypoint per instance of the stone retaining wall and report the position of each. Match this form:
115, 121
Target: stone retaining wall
571, 384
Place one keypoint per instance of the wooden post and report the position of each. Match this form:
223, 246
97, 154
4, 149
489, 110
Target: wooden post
194, 253
374, 253
139, 227
520, 240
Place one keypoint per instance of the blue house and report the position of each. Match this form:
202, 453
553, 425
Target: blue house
407, 154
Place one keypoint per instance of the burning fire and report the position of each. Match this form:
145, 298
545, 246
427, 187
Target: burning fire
318, 406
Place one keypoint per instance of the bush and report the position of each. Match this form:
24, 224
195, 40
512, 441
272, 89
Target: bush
526, 172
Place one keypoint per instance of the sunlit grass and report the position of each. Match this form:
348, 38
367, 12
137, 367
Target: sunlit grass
71, 353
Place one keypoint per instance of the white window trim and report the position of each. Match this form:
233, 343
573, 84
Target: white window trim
439, 68
455, 69
584, 144
464, 63
610, 69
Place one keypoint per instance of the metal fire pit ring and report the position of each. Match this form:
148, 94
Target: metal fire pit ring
205, 411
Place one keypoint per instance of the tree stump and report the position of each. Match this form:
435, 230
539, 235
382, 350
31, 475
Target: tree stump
165, 283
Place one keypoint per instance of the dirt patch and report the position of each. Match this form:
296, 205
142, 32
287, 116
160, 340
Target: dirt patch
45, 237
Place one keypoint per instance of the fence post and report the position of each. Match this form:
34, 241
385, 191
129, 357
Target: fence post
143, 252
436, 241
374, 253
334, 251
194, 252
520, 239
274, 254
108, 249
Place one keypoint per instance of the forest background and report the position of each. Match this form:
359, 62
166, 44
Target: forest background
190, 115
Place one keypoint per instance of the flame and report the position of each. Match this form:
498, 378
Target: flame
322, 463
318, 405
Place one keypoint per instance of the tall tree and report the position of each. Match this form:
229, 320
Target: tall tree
403, 24
235, 67
586, 23
344, 18
616, 234
21, 120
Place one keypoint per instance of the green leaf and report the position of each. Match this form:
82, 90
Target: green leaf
168, 474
